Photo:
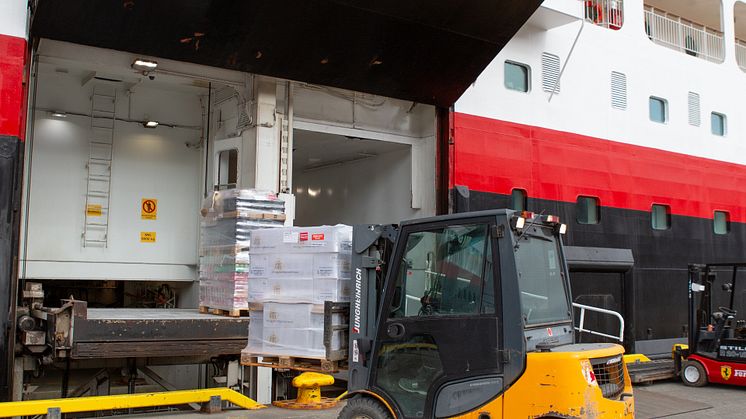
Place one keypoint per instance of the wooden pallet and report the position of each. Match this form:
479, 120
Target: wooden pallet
236, 312
290, 363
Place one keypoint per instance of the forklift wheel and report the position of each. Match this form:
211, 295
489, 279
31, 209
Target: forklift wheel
693, 374
361, 407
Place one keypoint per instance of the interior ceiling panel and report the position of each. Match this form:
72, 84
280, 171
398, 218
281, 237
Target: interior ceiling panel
427, 51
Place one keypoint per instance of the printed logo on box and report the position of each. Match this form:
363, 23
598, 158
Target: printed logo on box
304, 236
318, 236
290, 237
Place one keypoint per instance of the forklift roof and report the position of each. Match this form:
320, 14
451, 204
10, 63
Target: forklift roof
459, 216
427, 51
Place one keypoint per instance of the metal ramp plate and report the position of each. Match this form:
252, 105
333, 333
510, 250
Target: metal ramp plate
649, 404
647, 372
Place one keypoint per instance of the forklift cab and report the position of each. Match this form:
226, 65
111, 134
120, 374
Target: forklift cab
717, 326
445, 311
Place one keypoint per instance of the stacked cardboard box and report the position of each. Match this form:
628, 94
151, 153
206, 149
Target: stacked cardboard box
293, 271
229, 218
291, 329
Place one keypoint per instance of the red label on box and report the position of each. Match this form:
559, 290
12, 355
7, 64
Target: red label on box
303, 237
317, 237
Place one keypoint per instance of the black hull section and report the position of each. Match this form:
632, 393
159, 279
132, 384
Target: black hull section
11, 158
656, 306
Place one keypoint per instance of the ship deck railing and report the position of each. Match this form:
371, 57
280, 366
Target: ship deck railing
605, 13
683, 35
741, 54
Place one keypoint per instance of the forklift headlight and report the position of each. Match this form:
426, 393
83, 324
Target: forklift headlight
520, 222
563, 229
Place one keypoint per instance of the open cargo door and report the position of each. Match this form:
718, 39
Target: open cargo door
428, 51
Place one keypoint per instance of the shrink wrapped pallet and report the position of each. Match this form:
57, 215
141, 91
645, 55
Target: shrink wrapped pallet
293, 271
294, 330
229, 218
323, 239
301, 264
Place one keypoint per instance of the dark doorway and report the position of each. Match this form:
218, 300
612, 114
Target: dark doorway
601, 277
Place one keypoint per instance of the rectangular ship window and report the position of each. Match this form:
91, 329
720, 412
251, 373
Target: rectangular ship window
721, 222
658, 109
517, 76
518, 200
661, 217
718, 124
587, 210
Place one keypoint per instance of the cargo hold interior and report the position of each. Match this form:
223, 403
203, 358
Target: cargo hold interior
111, 207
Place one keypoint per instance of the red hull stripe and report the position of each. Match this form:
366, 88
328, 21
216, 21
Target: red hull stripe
12, 65
496, 156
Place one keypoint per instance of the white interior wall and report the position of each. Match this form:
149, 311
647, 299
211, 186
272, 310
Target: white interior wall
158, 164
386, 188
147, 163
374, 190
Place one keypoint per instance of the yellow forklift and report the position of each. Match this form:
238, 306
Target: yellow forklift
469, 315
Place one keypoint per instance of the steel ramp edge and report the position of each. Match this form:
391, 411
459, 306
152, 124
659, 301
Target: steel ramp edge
126, 401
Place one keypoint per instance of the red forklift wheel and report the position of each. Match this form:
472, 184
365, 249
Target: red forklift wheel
693, 374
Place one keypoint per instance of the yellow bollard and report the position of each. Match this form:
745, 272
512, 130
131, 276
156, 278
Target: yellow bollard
309, 392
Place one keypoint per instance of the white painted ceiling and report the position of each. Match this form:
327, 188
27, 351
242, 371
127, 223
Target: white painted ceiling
315, 150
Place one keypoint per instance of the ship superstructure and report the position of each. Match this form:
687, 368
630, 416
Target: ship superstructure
626, 118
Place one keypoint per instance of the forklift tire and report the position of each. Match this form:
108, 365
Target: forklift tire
693, 374
361, 407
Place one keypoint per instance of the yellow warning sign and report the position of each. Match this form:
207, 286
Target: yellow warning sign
93, 210
149, 209
147, 237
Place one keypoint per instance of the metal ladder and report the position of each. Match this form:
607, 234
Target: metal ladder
100, 155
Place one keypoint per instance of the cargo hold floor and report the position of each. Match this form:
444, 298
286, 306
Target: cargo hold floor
149, 314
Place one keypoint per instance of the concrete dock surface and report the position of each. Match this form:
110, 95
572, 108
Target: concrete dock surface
669, 399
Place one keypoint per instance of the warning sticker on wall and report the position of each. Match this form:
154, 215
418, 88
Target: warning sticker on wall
149, 209
93, 210
147, 237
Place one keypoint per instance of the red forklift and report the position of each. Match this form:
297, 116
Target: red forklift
717, 336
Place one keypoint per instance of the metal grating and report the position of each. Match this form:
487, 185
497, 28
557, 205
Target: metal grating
618, 90
694, 112
609, 374
550, 72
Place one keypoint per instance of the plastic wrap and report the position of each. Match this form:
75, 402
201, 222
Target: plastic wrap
323, 239
229, 218
296, 330
293, 271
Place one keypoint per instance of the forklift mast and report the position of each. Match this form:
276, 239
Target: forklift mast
372, 246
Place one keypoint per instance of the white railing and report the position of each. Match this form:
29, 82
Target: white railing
581, 322
741, 54
679, 34
606, 13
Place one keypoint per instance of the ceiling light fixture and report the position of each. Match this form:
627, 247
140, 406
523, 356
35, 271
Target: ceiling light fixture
150, 124
58, 114
144, 65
